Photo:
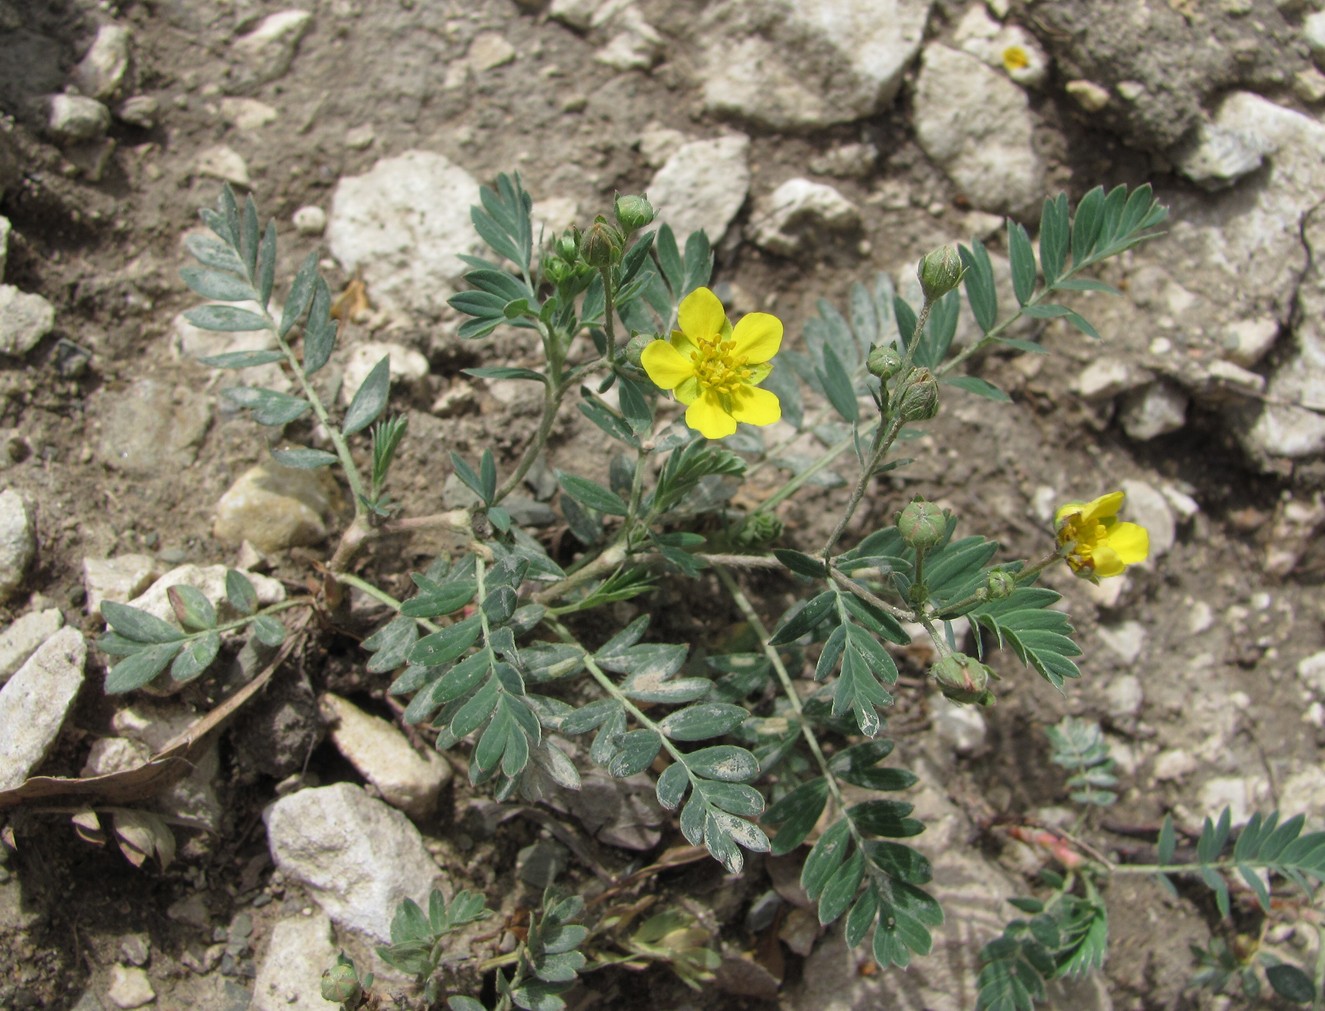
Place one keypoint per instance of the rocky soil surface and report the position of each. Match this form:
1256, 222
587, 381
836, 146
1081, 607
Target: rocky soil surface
818, 144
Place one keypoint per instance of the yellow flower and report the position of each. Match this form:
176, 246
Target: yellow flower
1096, 544
715, 368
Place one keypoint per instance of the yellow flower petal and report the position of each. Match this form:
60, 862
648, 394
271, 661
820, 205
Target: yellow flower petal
666, 366
1066, 510
687, 391
755, 406
1107, 562
757, 336
708, 417
1131, 542
1103, 507
700, 315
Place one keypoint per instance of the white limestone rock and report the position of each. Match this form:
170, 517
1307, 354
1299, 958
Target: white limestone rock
801, 215
356, 856
789, 65
290, 973
403, 225
35, 702
1145, 504
1217, 157
76, 119
5, 229
23, 637
119, 579
274, 508
130, 987
961, 727
100, 73
24, 320
247, 114
18, 541
1154, 410
702, 186
976, 125
1126, 640
150, 426
265, 53
224, 163
407, 366
405, 778
310, 220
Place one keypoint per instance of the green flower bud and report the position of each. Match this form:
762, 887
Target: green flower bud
758, 530
341, 983
567, 245
923, 525
884, 361
999, 584
919, 397
557, 270
602, 243
963, 679
635, 348
940, 272
633, 211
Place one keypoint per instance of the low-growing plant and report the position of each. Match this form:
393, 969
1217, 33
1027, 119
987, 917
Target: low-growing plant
767, 742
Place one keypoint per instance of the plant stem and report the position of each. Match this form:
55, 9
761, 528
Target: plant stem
349, 579
883, 440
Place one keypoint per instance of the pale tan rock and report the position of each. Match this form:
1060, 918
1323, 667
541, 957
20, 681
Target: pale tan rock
119, 579
274, 508
405, 778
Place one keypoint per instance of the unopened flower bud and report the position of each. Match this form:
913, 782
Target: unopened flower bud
602, 243
567, 245
633, 212
923, 525
884, 361
999, 584
759, 530
919, 398
635, 347
963, 679
557, 270
341, 983
939, 272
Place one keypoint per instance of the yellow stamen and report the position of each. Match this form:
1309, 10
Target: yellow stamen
718, 367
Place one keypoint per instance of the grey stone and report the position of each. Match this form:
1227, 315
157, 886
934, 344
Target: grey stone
18, 541
976, 125
35, 702
224, 163
702, 186
274, 508
119, 579
961, 727
1126, 640
5, 229
1246, 341
1154, 410
1145, 504
290, 974
1174, 765
148, 727
1165, 61
404, 225
355, 855
801, 215
142, 111
136, 948
806, 65
383, 755
1124, 697
74, 119
1216, 157
151, 428
1106, 377
210, 580
310, 220
488, 51
1311, 672
1313, 31
129, 987
100, 73
247, 114
22, 637
847, 161
265, 53
407, 366
1242, 795
24, 320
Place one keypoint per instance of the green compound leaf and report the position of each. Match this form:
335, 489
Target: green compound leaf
724, 762
703, 721
301, 294
1040, 637
980, 387
804, 619
266, 267
840, 891
672, 785
370, 399
447, 645
225, 318
140, 668
218, 285
239, 591
592, 495
196, 657
1008, 980
390, 644
1022, 262
268, 630
138, 625
837, 386
505, 372
636, 752
192, 608
502, 220
242, 359
981, 292
304, 459
796, 814
268, 406
1054, 235
1291, 983
319, 330
214, 253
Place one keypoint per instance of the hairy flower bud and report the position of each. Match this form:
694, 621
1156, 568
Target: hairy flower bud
758, 530
884, 361
923, 525
633, 212
939, 272
963, 679
602, 243
341, 983
919, 398
635, 348
999, 584
567, 245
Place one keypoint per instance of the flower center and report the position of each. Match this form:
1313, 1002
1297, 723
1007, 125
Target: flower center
1084, 538
718, 367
